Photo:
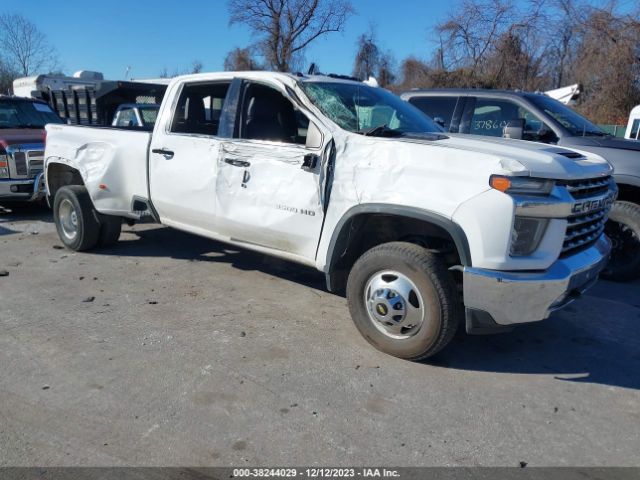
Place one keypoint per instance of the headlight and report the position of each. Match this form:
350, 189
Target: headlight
521, 185
526, 235
4, 166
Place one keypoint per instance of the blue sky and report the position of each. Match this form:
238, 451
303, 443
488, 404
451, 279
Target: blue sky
147, 35
109, 36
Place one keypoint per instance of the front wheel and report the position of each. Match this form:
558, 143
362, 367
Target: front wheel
403, 300
623, 228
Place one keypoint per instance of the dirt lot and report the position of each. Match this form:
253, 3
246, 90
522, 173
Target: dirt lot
175, 350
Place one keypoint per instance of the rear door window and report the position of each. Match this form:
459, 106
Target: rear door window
439, 108
199, 108
490, 116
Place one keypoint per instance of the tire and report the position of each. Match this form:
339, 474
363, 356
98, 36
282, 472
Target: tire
75, 218
409, 271
623, 228
110, 229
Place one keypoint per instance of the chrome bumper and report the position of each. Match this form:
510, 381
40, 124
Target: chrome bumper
511, 298
28, 189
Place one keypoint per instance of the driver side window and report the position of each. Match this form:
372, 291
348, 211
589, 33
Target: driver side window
534, 128
269, 115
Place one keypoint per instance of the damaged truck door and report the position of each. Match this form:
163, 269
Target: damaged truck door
266, 194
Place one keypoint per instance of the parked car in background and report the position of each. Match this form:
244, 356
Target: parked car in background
136, 115
633, 127
539, 118
22, 123
416, 225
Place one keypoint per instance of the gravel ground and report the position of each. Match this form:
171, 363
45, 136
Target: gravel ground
170, 349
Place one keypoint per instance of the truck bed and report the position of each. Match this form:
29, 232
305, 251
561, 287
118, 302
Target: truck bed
112, 162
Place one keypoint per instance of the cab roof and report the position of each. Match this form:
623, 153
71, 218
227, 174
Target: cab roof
478, 92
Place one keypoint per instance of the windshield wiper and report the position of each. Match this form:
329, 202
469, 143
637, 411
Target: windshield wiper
380, 131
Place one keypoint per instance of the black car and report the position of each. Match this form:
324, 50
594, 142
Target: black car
539, 118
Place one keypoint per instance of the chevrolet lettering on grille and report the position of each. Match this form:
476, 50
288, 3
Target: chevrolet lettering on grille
593, 204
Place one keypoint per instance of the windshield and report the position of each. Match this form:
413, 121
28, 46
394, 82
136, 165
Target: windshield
363, 109
568, 118
149, 115
22, 114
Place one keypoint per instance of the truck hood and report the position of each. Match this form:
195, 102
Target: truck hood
13, 136
520, 157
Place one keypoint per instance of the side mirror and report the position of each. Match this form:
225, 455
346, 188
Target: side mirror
514, 129
314, 137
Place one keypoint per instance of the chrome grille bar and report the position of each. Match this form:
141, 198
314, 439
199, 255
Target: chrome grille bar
584, 229
583, 188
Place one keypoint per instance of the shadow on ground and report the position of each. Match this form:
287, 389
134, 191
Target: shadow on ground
595, 340
22, 212
167, 242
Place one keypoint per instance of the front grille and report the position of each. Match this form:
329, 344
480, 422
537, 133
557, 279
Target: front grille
28, 160
591, 187
36, 162
20, 160
584, 229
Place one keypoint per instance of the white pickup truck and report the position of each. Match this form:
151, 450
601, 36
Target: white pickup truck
415, 224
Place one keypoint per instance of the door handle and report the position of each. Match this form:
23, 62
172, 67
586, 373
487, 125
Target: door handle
237, 163
163, 151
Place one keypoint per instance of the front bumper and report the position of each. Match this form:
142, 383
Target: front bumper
26, 190
510, 298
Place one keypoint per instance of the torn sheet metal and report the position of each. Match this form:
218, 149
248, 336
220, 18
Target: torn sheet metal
263, 196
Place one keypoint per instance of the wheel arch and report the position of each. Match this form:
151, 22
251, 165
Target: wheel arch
364, 226
59, 174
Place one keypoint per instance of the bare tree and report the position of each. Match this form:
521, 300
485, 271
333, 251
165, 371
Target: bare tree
284, 28
367, 59
25, 48
469, 33
196, 66
562, 34
241, 59
539, 45
7, 75
414, 73
386, 70
608, 63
